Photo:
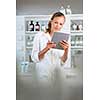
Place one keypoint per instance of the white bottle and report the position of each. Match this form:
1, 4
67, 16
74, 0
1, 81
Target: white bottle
68, 10
43, 27
74, 26
62, 10
80, 26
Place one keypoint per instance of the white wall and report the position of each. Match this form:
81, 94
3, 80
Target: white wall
42, 7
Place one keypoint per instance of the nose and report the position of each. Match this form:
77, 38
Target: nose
58, 26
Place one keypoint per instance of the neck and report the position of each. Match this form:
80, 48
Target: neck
51, 34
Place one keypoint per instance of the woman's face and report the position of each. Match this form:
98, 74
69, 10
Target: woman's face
57, 23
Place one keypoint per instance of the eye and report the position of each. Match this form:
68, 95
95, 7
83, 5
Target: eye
61, 24
56, 22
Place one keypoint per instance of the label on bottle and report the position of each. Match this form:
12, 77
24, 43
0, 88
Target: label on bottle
37, 28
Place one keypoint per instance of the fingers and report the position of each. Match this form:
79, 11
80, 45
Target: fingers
64, 44
51, 44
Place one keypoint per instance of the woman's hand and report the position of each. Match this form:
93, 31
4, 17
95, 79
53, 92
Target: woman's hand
51, 45
64, 44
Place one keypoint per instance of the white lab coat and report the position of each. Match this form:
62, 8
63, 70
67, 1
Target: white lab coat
46, 67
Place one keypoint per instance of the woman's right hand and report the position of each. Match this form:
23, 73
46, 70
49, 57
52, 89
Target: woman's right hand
51, 45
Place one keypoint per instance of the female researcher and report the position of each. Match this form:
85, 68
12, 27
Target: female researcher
43, 54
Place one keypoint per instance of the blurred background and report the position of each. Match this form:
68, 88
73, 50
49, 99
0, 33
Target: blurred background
42, 7
30, 13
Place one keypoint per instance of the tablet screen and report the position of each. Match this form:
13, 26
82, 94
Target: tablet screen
58, 36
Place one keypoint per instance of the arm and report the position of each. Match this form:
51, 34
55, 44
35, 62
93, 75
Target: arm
42, 53
35, 49
65, 46
65, 55
38, 54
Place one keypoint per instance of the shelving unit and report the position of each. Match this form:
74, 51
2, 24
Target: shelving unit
20, 44
20, 40
30, 31
76, 30
25, 36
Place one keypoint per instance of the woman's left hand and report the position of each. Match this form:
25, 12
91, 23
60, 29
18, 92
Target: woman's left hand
64, 44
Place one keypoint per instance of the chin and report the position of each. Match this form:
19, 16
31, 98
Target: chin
56, 30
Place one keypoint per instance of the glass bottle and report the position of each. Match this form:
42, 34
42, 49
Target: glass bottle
43, 27
62, 10
37, 26
73, 41
77, 28
31, 26
77, 40
81, 41
80, 26
74, 26
68, 10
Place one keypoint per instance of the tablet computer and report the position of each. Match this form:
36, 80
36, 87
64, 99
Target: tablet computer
58, 36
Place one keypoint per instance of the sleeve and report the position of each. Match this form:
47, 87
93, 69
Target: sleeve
67, 63
35, 49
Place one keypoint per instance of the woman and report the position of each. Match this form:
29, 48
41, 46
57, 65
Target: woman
43, 54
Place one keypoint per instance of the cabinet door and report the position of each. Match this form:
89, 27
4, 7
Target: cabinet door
20, 40
76, 30
20, 26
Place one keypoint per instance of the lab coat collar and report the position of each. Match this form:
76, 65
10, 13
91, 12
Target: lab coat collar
48, 36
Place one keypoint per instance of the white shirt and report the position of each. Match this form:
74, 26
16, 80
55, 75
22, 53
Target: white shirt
51, 60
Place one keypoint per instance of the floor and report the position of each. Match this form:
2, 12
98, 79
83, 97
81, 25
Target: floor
68, 87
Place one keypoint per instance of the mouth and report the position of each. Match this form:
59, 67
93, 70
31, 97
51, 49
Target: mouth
56, 29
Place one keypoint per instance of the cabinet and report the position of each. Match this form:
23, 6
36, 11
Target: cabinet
20, 43
27, 27
20, 39
34, 24
76, 30
25, 32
